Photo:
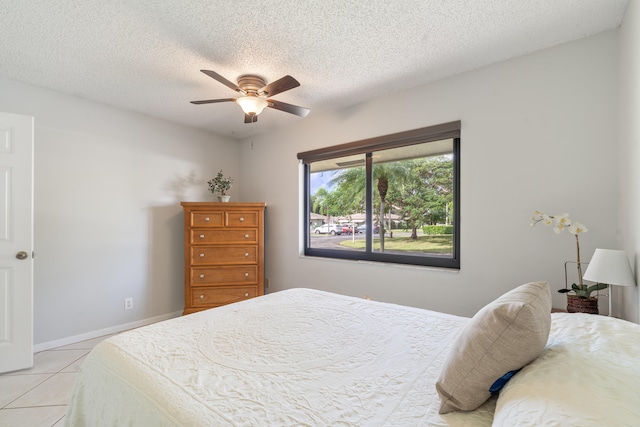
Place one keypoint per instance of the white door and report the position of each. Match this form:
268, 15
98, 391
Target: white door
16, 242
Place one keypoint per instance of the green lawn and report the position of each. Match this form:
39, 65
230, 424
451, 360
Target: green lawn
427, 244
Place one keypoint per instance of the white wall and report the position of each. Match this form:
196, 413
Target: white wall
108, 220
630, 153
538, 132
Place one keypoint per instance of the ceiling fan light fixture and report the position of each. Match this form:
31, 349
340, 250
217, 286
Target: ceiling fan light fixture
251, 104
255, 95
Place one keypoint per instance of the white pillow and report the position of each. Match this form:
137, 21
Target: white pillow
588, 376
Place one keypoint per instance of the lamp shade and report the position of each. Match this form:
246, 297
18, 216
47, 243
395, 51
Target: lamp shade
252, 105
611, 267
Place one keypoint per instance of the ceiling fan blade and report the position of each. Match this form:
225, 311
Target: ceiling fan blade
289, 108
279, 86
250, 118
213, 101
224, 81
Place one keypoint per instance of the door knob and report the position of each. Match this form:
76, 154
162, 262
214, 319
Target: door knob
22, 255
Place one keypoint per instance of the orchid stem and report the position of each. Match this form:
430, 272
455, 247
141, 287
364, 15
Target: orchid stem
579, 265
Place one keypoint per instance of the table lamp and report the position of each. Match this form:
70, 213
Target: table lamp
611, 267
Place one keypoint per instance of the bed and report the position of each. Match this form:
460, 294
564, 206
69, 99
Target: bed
305, 357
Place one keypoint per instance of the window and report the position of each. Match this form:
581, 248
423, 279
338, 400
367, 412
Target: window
395, 198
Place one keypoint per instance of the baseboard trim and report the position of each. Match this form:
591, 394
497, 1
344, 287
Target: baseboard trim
102, 332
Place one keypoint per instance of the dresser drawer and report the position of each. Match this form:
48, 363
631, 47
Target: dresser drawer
204, 276
208, 255
210, 297
208, 236
207, 219
242, 219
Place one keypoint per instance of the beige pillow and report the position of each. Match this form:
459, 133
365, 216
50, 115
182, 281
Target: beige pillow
504, 336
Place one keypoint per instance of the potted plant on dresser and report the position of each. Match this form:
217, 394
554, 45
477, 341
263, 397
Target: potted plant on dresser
220, 184
580, 297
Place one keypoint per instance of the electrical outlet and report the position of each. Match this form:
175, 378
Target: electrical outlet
128, 303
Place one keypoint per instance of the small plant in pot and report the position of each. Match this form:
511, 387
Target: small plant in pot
581, 300
220, 184
579, 296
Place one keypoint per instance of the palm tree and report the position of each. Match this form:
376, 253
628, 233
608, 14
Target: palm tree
321, 202
384, 174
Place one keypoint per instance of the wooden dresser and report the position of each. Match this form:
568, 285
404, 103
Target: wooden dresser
223, 253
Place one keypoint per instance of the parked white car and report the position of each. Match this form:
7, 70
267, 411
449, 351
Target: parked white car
329, 229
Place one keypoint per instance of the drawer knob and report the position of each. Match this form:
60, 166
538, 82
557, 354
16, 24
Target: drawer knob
246, 236
202, 236
246, 254
241, 219
201, 255
246, 294
202, 276
246, 274
202, 296
207, 219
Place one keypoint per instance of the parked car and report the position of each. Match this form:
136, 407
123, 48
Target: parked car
363, 228
328, 229
349, 228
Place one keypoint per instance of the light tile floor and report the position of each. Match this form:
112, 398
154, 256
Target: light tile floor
38, 397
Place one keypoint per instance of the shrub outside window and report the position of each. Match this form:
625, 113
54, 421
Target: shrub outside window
394, 198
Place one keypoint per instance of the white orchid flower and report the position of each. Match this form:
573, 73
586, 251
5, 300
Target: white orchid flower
563, 219
559, 228
559, 222
577, 228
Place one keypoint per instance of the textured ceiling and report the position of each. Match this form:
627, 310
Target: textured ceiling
145, 55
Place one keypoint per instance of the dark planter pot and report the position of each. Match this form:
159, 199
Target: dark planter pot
576, 304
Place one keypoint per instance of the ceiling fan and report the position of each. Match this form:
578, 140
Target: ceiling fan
255, 95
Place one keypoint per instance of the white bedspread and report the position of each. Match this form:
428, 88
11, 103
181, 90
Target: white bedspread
293, 358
